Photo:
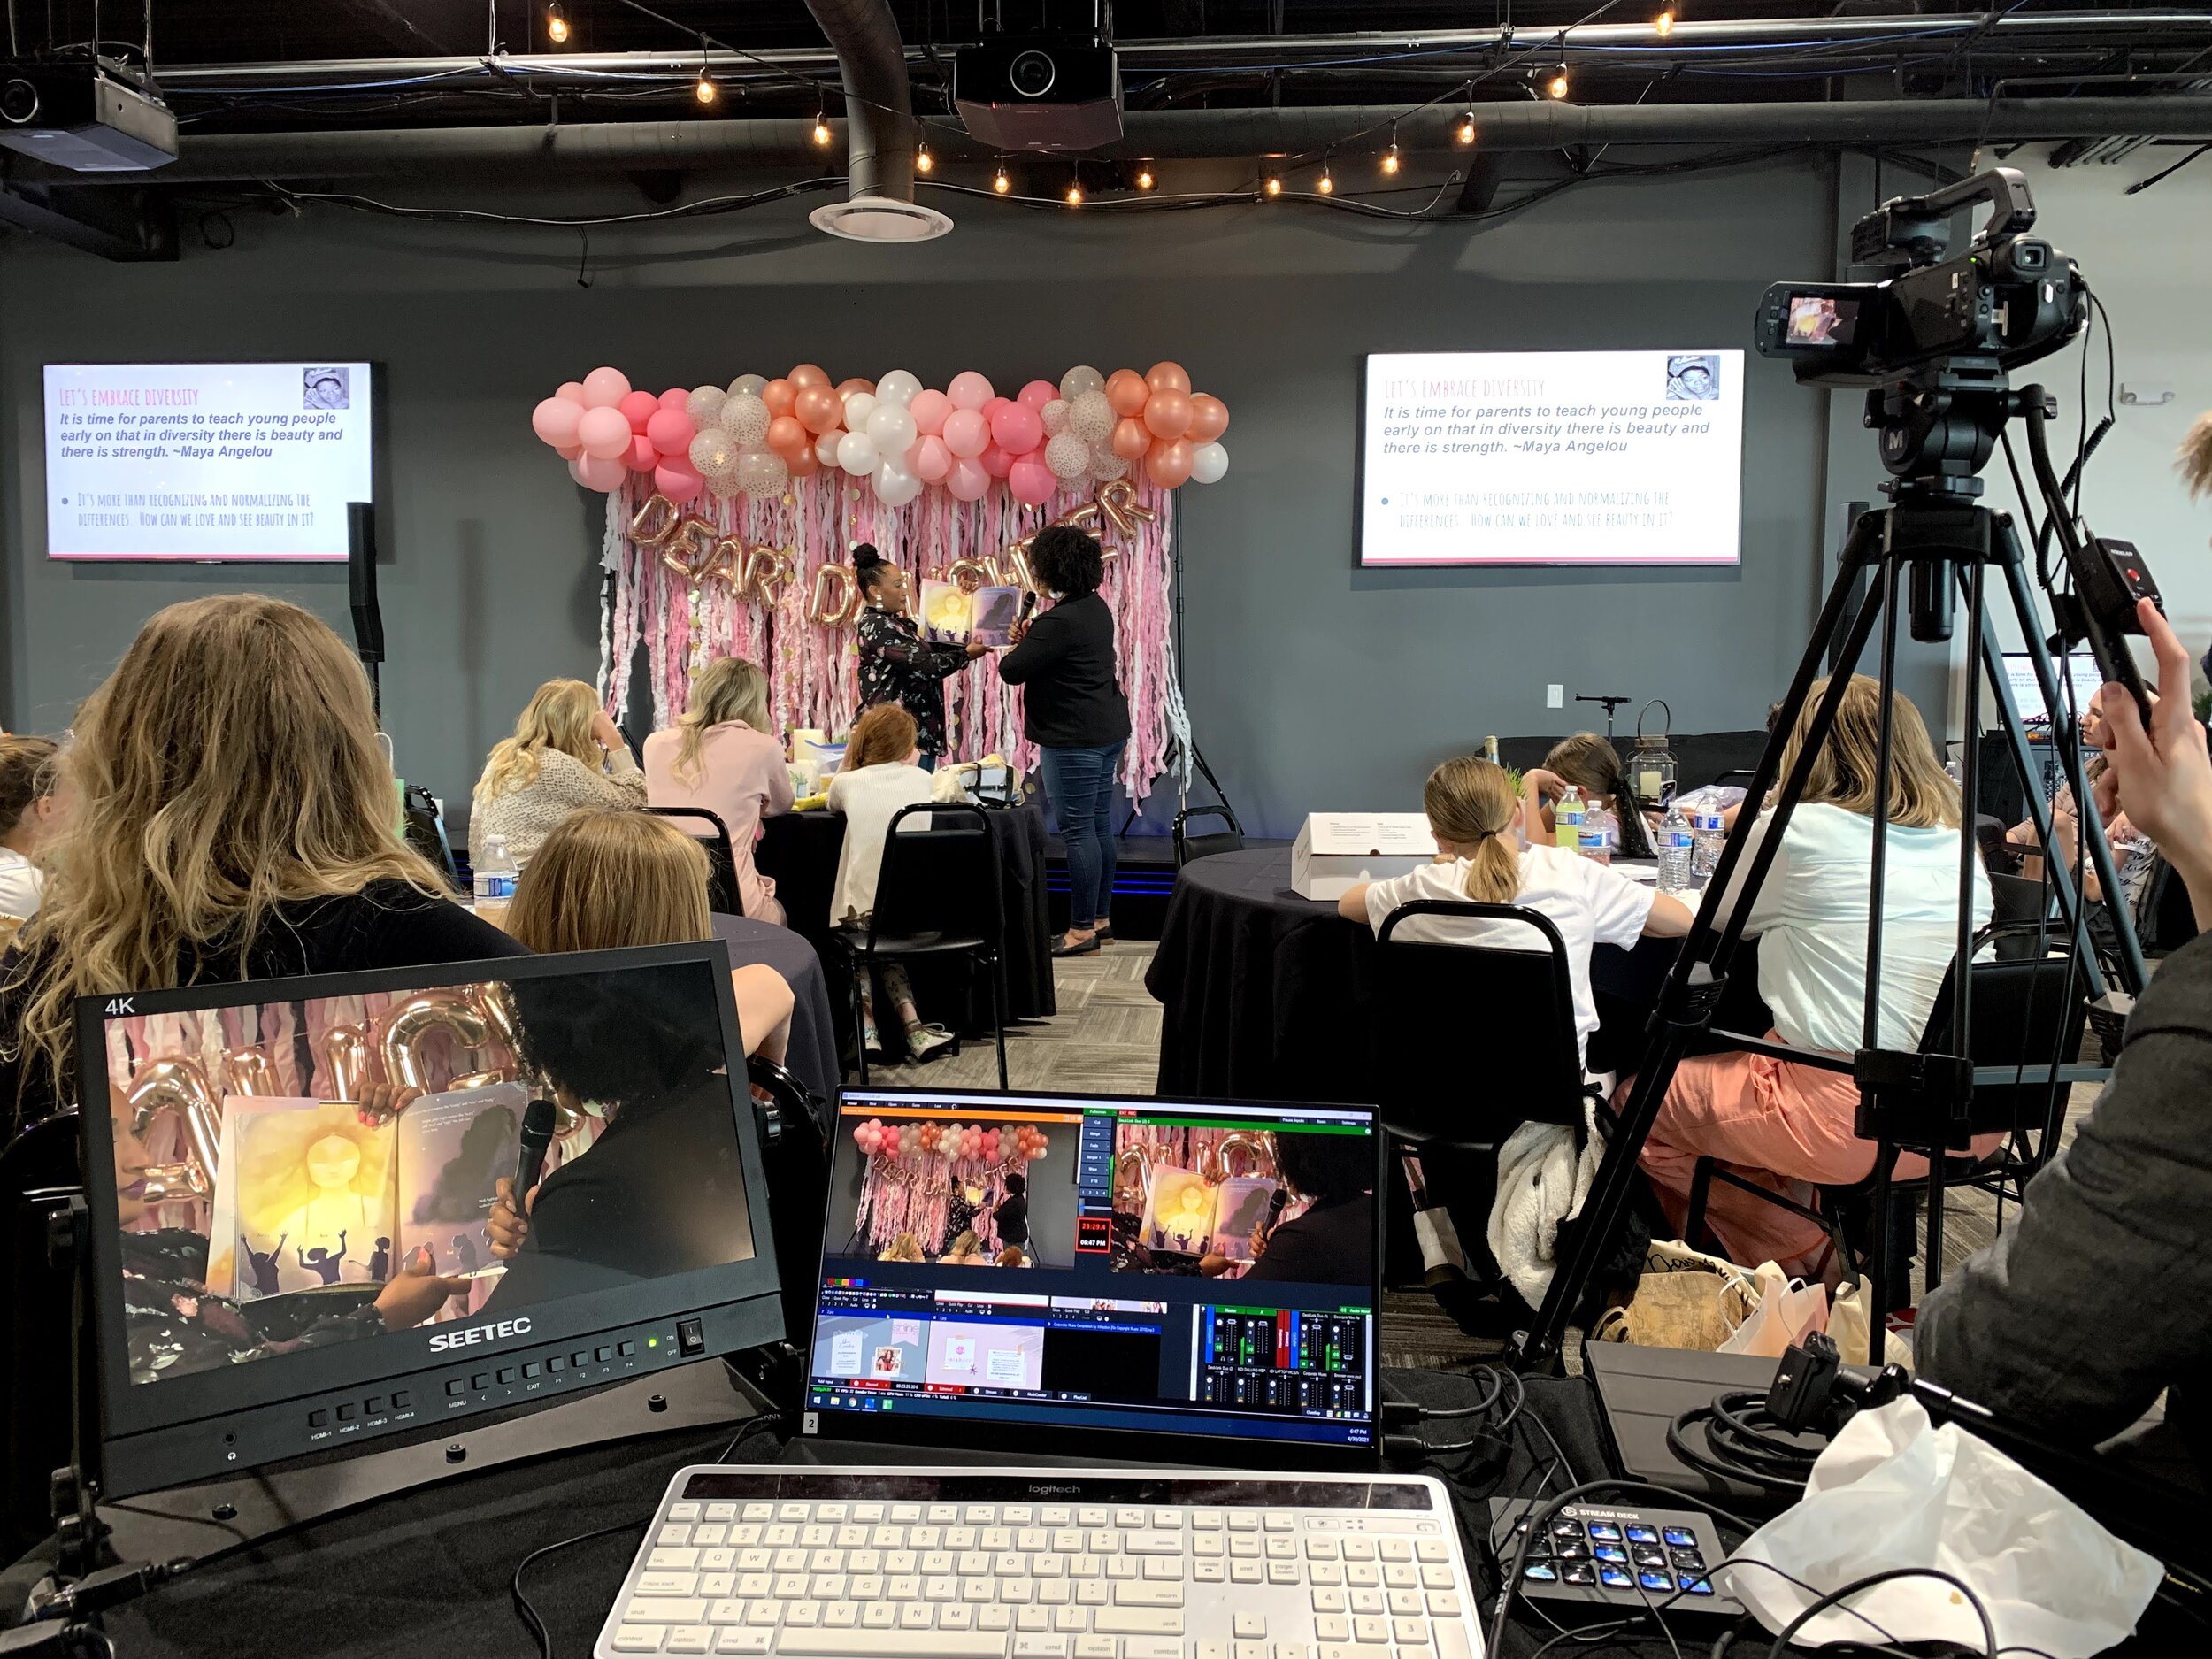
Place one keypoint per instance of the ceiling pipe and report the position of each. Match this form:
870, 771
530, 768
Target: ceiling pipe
440, 153
879, 204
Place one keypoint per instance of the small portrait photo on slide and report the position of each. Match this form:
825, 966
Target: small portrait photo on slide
1693, 377
326, 389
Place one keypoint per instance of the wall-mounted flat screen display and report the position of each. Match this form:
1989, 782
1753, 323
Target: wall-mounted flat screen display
246, 461
1552, 457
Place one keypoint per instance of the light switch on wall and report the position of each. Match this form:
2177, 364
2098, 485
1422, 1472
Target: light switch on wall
1555, 696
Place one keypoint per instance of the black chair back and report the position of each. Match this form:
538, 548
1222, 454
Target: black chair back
2027, 1012
38, 1170
424, 821
722, 894
1188, 847
796, 1160
940, 877
1436, 1003
2023, 923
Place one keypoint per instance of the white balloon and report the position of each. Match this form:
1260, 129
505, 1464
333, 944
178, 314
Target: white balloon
1090, 417
856, 454
1208, 464
825, 448
1068, 456
1079, 379
899, 388
1055, 415
760, 473
1105, 464
754, 383
895, 485
745, 417
858, 407
891, 429
704, 403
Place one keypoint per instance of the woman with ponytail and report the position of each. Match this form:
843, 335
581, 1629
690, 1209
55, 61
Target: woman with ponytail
1475, 811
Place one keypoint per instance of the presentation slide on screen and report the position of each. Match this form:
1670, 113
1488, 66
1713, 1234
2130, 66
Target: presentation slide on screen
205, 460
1552, 457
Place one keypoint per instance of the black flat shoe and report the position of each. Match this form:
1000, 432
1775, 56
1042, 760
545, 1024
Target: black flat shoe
1105, 933
1065, 946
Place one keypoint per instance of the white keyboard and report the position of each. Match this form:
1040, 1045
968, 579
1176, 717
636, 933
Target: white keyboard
1047, 1563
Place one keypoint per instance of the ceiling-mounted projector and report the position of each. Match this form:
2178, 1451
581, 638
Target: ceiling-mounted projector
80, 116
1038, 92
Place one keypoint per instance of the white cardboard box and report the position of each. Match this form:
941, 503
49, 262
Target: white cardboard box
1336, 851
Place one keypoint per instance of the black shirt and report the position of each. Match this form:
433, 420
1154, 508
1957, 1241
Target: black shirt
387, 924
898, 666
1065, 665
1330, 1244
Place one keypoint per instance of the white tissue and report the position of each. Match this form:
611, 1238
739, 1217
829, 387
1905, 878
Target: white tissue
1893, 1490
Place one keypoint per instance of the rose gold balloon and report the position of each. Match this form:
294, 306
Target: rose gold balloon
786, 433
404, 1029
777, 395
803, 463
181, 1086
1132, 439
1127, 391
819, 409
846, 388
1209, 419
1168, 377
1169, 463
1167, 414
808, 374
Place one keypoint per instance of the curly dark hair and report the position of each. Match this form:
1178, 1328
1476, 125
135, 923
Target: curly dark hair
1067, 560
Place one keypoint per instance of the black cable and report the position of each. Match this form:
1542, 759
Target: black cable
2141, 185
528, 1614
1835, 1598
1742, 1443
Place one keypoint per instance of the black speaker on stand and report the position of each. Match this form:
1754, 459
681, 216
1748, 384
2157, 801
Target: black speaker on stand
368, 619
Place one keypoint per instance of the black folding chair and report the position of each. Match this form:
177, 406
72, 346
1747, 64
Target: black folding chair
938, 893
722, 894
39, 1175
1188, 847
424, 821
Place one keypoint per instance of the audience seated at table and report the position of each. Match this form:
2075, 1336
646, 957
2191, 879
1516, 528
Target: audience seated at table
2133, 854
29, 811
1787, 1125
565, 753
1477, 819
1594, 766
723, 755
881, 773
230, 817
2099, 1298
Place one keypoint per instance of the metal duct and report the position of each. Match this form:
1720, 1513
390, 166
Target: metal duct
878, 104
625, 147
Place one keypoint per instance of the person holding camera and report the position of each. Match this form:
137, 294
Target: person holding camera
2100, 1298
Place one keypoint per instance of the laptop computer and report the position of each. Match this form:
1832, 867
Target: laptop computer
1096, 1278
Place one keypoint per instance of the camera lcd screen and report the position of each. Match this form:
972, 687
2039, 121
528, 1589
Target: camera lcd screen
1821, 320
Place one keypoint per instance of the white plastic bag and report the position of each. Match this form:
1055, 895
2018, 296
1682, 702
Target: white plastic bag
1893, 1490
1789, 1311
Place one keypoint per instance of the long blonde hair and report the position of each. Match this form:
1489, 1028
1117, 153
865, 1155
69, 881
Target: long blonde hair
729, 688
228, 766
559, 715
1470, 800
1844, 772
607, 877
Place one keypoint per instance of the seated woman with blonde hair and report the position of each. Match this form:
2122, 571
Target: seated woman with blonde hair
565, 753
723, 756
1786, 1126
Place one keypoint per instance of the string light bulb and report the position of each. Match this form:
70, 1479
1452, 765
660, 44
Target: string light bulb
1000, 182
1274, 185
1145, 180
1075, 191
1558, 85
822, 134
1465, 132
556, 23
1664, 22
704, 89
1328, 184
1391, 161
923, 162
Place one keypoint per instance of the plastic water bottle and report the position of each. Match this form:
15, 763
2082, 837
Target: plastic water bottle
1598, 835
1566, 819
1708, 832
1674, 843
494, 874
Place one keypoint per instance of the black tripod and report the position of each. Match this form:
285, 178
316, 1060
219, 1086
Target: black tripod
1938, 430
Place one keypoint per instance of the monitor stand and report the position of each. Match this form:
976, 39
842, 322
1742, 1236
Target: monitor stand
216, 1516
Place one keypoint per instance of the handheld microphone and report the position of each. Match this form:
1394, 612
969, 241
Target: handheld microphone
537, 1136
1029, 602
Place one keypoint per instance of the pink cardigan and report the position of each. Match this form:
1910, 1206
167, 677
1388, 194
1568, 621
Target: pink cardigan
742, 780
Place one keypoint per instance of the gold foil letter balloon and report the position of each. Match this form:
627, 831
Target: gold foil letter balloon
178, 1087
406, 1028
836, 596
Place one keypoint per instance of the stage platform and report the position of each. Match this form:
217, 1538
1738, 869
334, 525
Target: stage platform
1144, 876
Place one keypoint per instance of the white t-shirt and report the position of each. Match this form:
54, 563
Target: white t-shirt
1590, 903
868, 798
1810, 919
22, 883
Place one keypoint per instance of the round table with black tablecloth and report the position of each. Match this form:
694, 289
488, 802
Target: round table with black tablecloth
812, 1055
799, 852
1262, 986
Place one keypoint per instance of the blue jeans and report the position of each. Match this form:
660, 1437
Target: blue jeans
1079, 783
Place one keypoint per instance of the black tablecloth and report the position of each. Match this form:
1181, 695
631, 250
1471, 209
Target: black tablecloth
812, 1057
1262, 986
799, 850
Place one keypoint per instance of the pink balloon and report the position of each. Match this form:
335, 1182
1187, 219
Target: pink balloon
555, 420
678, 480
642, 456
674, 397
1016, 429
969, 389
967, 480
670, 430
966, 433
997, 462
929, 460
1037, 394
603, 433
929, 410
603, 389
890, 1139
638, 408
996, 403
570, 451
860, 1134
595, 471
1032, 481
572, 390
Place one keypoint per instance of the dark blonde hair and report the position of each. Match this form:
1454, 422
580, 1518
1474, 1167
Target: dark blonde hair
1469, 800
729, 689
28, 773
559, 715
607, 877
885, 733
1844, 773
1594, 766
